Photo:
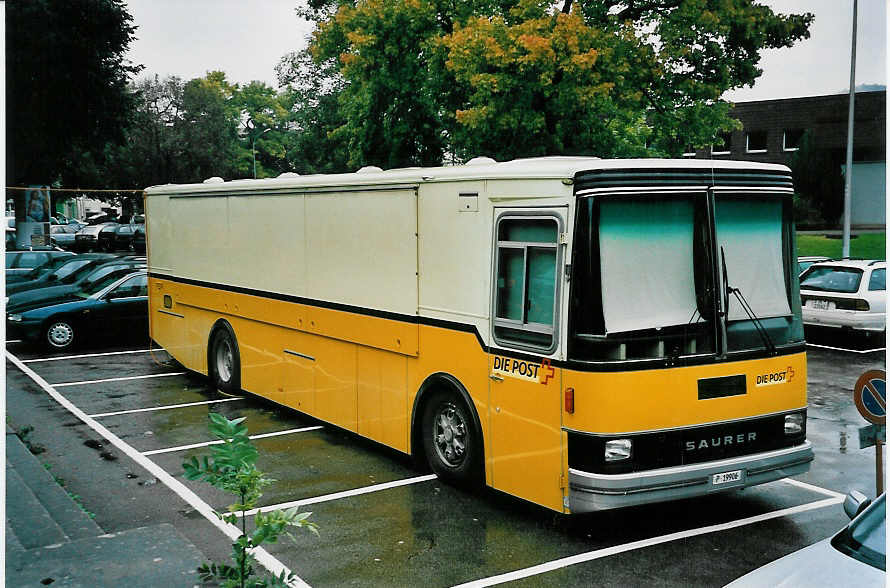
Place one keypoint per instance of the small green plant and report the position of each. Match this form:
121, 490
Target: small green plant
24, 434
232, 468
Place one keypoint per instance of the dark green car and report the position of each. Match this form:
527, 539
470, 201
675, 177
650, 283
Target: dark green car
113, 308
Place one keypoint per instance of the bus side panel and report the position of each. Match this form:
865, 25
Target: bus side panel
334, 372
262, 358
383, 397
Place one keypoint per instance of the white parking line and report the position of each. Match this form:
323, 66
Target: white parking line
847, 350
66, 357
66, 384
165, 407
609, 551
232, 532
14, 341
813, 488
339, 495
207, 443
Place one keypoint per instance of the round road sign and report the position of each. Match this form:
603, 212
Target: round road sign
869, 394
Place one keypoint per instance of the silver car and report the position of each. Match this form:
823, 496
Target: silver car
857, 556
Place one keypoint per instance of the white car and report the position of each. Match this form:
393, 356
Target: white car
846, 293
857, 556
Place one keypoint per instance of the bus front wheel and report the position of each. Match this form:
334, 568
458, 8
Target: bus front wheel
450, 440
225, 361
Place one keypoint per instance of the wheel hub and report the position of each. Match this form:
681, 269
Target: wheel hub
450, 435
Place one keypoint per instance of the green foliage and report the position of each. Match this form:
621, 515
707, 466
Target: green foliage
232, 468
66, 87
427, 78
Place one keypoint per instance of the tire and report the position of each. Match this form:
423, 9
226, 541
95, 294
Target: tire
59, 334
452, 445
224, 360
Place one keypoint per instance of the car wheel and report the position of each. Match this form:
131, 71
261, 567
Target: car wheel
225, 361
450, 441
59, 334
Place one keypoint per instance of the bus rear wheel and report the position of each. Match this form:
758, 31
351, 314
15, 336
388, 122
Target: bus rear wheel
450, 441
225, 361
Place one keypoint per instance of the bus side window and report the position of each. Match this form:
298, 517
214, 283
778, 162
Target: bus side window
525, 296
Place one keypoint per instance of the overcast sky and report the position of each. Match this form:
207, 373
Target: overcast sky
247, 39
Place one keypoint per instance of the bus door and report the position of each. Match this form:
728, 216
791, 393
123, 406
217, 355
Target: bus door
525, 388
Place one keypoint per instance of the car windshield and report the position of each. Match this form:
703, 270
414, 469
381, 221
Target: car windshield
69, 268
865, 538
99, 283
98, 275
831, 279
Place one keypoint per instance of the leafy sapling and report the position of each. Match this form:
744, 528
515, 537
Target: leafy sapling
232, 468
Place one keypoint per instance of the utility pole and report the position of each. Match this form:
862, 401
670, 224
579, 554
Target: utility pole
848, 172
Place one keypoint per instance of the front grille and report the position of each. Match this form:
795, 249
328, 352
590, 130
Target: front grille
683, 446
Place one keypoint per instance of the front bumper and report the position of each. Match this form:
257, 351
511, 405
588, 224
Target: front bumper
592, 492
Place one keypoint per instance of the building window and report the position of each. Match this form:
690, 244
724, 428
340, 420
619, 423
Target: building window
723, 144
791, 139
755, 142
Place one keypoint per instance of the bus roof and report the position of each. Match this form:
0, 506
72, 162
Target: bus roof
479, 168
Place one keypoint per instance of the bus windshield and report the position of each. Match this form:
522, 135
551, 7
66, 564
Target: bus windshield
648, 277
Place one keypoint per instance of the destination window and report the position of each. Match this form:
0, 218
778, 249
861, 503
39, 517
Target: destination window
525, 296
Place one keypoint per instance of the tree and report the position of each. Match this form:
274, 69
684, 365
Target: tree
209, 128
525, 77
66, 86
312, 90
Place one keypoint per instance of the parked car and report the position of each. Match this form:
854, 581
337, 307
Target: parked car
857, 556
125, 235
846, 293
139, 239
95, 237
807, 260
114, 306
19, 263
62, 235
82, 279
59, 269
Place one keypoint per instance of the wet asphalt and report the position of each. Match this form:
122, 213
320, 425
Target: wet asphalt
423, 532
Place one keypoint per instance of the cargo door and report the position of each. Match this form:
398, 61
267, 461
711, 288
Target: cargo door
525, 408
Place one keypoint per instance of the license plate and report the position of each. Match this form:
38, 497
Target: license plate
726, 477
822, 304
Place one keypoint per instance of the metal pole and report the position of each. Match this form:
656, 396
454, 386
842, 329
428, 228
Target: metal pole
848, 172
879, 468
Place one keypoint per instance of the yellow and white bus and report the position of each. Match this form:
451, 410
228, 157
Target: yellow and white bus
584, 334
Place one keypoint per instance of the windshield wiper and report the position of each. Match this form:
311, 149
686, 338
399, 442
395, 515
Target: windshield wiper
758, 326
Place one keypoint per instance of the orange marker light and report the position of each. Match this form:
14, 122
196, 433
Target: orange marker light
570, 400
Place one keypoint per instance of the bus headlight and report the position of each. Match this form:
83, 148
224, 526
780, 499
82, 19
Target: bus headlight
15, 318
794, 423
618, 449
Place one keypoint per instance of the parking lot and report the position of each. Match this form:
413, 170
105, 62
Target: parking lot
117, 424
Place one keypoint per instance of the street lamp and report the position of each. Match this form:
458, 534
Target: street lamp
253, 148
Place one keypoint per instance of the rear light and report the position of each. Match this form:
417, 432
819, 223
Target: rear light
851, 304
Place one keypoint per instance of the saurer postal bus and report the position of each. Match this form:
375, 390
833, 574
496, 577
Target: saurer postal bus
584, 334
